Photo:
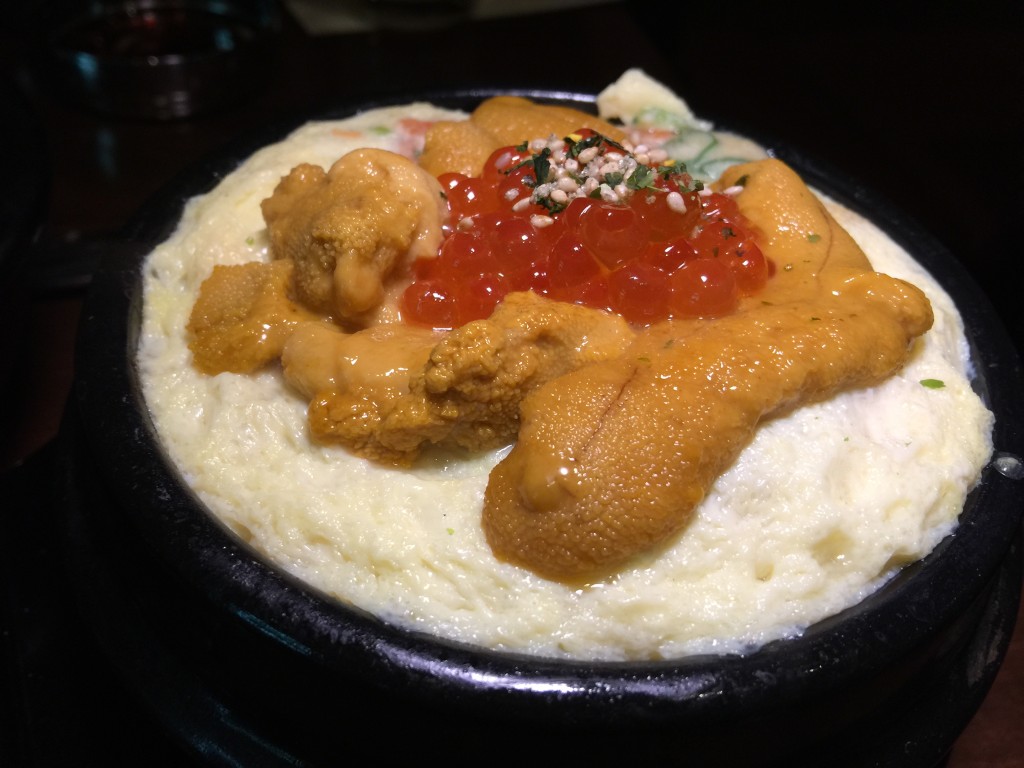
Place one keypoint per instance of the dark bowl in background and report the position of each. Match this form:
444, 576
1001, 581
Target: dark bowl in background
163, 59
246, 665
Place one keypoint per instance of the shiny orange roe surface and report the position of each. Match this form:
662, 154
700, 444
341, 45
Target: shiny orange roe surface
643, 257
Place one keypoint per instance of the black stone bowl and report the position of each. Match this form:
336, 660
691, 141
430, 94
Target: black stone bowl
247, 666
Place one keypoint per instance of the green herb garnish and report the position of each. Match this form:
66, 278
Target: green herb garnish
642, 178
613, 179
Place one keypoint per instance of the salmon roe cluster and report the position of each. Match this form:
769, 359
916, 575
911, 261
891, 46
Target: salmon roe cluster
589, 221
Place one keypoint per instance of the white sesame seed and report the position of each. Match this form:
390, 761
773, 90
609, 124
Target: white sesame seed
587, 154
675, 202
540, 221
521, 205
732, 191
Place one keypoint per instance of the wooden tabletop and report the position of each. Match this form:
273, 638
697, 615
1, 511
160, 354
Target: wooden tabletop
924, 109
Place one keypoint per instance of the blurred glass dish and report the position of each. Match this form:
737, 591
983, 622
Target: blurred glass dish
164, 59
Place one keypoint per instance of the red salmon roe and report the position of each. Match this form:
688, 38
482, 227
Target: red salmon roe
587, 221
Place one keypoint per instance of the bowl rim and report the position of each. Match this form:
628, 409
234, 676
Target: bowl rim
898, 618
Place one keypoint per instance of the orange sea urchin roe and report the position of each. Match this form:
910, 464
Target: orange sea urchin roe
584, 220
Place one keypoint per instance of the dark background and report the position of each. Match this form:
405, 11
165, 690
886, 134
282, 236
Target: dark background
922, 103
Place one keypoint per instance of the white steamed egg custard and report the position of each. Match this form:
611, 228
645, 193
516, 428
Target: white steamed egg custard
820, 509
